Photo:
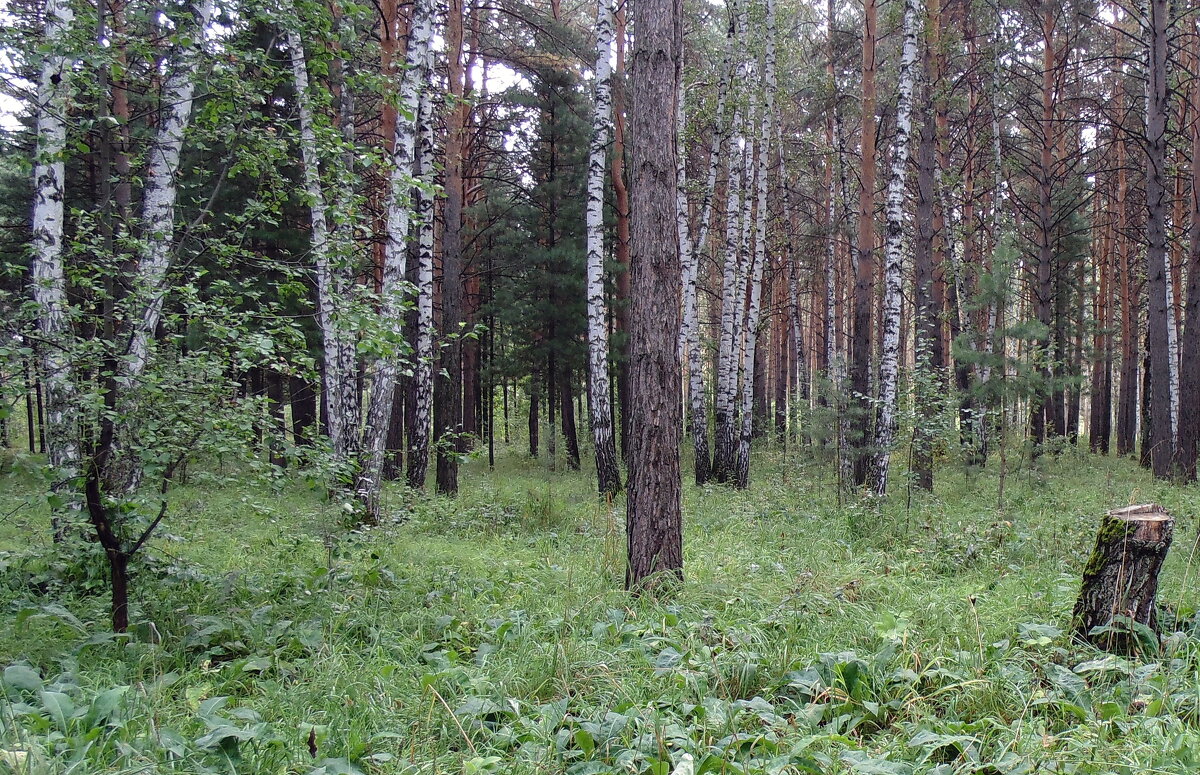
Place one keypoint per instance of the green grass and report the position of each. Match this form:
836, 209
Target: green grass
490, 633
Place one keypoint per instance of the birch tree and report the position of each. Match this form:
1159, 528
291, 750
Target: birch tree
608, 475
753, 315
419, 433
384, 371
161, 191
337, 344
49, 277
693, 249
893, 252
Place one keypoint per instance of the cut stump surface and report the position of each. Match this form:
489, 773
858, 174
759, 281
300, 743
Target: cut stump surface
1120, 581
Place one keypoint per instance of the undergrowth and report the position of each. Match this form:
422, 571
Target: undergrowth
490, 634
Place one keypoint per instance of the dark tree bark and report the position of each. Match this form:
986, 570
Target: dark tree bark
303, 397
928, 321
864, 260
1121, 576
448, 392
621, 277
1189, 373
393, 456
569, 430
535, 394
1162, 435
653, 518
275, 402
1127, 387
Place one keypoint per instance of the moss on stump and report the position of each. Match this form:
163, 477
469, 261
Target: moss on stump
1120, 580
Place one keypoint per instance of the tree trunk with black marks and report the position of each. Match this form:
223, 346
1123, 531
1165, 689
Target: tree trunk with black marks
654, 523
1121, 577
608, 474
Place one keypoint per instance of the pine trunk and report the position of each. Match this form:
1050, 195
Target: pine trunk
1157, 285
653, 518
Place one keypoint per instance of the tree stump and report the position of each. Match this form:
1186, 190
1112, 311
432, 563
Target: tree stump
1120, 581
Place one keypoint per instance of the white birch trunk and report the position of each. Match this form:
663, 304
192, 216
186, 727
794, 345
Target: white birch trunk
158, 200
344, 397
368, 485
608, 477
893, 255
754, 314
726, 356
419, 434
334, 378
49, 278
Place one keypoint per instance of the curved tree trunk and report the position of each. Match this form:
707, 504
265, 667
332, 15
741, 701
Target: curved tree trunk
368, 485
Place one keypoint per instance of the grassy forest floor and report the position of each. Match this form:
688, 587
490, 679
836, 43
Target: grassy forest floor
490, 633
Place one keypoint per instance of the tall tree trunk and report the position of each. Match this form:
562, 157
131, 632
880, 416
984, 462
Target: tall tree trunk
448, 395
422, 378
698, 405
368, 486
158, 199
864, 257
49, 284
1041, 407
1189, 383
336, 382
731, 306
653, 518
889, 366
621, 215
759, 260
1128, 389
608, 475
1156, 243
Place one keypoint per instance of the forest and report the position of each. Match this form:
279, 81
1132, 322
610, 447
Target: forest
638, 387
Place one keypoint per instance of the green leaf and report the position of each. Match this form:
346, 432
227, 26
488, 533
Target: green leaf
22, 677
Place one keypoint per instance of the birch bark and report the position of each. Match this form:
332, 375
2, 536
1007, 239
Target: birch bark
893, 255
608, 475
334, 377
384, 371
418, 435
754, 313
158, 200
49, 278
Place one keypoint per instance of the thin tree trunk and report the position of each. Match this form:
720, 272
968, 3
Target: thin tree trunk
608, 475
336, 383
1189, 388
1158, 328
889, 367
419, 429
368, 486
864, 257
448, 394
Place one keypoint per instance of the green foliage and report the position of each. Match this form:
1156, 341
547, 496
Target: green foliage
488, 635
